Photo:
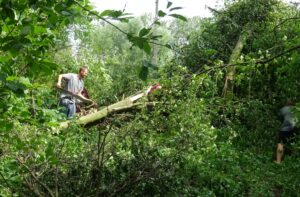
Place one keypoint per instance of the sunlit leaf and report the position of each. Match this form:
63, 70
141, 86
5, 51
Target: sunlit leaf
111, 13
178, 16
39, 29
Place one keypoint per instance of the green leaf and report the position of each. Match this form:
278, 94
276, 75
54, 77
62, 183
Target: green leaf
14, 84
157, 23
178, 16
124, 20
59, 7
25, 81
176, 8
155, 37
69, 3
3, 76
144, 32
105, 13
50, 65
43, 67
147, 47
141, 43
13, 46
168, 46
65, 13
5, 57
49, 151
143, 74
161, 13
6, 126
27, 20
54, 160
169, 4
8, 13
26, 30
39, 30
111, 13
89, 7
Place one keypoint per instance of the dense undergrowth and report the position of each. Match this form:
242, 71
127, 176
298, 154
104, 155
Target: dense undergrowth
195, 141
189, 144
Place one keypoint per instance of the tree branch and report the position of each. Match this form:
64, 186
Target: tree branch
278, 55
284, 21
31, 188
105, 20
11, 30
262, 61
101, 150
149, 40
36, 179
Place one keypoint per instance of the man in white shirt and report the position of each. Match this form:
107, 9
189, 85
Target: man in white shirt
74, 85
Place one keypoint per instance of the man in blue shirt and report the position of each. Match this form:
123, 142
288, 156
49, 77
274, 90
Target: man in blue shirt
75, 85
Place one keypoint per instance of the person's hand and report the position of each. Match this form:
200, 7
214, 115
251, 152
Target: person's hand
58, 85
93, 104
79, 94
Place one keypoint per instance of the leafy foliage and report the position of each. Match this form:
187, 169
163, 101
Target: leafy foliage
187, 140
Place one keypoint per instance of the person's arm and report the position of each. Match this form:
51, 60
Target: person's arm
81, 95
58, 84
62, 76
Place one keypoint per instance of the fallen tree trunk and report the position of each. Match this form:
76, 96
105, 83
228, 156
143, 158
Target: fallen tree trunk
127, 103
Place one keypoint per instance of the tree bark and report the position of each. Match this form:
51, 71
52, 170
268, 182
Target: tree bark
229, 79
155, 47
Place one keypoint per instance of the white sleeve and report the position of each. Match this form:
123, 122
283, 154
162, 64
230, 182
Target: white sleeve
67, 76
